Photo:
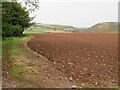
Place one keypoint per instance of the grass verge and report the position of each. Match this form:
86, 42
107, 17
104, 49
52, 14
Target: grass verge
10, 49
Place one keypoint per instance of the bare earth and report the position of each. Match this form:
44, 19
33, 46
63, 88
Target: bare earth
90, 59
66, 60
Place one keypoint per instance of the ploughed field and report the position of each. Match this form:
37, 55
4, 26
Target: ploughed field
87, 58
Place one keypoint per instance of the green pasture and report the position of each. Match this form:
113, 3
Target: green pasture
40, 30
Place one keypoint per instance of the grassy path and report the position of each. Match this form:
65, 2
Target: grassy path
28, 69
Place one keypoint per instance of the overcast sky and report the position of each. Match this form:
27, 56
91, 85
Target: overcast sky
76, 13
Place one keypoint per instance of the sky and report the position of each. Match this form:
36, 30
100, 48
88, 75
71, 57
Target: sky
78, 13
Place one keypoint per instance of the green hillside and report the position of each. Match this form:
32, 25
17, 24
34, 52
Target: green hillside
104, 27
48, 28
54, 27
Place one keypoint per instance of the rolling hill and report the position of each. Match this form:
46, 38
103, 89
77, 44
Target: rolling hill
100, 27
104, 27
52, 26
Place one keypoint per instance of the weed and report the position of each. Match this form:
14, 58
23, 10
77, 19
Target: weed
17, 70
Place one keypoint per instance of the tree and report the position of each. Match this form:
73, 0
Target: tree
15, 19
31, 5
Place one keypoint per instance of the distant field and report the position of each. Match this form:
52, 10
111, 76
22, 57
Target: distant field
40, 30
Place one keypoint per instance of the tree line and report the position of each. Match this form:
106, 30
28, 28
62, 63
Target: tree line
15, 18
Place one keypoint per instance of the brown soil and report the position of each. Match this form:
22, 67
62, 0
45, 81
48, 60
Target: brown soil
85, 58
